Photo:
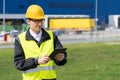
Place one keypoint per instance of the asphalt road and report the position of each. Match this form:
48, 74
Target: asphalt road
75, 41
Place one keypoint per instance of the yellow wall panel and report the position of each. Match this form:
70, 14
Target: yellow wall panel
67, 23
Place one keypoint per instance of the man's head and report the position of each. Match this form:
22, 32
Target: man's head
35, 17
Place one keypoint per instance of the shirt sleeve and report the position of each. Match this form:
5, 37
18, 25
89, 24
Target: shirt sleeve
19, 58
57, 44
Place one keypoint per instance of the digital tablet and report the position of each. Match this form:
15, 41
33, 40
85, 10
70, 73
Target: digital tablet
59, 50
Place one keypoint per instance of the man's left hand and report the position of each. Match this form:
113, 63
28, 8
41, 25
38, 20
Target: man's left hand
59, 56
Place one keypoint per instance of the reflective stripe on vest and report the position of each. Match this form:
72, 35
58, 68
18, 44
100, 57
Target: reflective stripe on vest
39, 69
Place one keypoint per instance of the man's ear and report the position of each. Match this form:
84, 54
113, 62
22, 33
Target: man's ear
28, 21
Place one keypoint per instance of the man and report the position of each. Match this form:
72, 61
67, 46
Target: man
33, 47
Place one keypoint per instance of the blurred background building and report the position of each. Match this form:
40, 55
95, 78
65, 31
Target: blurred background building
15, 9
80, 15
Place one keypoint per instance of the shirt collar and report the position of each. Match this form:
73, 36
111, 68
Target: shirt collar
45, 36
36, 36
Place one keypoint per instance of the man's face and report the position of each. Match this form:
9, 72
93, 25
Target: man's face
35, 24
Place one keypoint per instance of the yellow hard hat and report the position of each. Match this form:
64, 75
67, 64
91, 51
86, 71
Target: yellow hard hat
35, 12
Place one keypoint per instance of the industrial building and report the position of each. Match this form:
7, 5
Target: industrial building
106, 12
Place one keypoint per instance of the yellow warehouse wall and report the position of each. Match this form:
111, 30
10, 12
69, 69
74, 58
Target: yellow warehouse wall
74, 23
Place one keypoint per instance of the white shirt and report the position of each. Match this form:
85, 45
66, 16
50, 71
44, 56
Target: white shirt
36, 36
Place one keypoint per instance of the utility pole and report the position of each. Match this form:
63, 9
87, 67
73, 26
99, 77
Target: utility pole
96, 19
3, 15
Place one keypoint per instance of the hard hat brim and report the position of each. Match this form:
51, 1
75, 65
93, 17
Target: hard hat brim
39, 18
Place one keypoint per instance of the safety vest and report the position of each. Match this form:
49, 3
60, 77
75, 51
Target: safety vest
31, 49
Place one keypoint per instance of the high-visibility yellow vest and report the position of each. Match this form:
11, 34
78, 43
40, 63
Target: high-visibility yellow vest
31, 49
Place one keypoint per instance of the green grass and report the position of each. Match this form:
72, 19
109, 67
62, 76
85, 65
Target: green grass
7, 69
90, 61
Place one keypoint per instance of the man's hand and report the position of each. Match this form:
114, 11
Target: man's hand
44, 59
59, 56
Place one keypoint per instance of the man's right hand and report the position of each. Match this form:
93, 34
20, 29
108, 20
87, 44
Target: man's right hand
44, 59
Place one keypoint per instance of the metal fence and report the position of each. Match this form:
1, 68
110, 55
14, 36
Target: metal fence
91, 36
84, 37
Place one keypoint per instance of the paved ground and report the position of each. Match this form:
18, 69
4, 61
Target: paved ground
85, 37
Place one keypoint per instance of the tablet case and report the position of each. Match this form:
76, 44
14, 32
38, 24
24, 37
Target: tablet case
59, 50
